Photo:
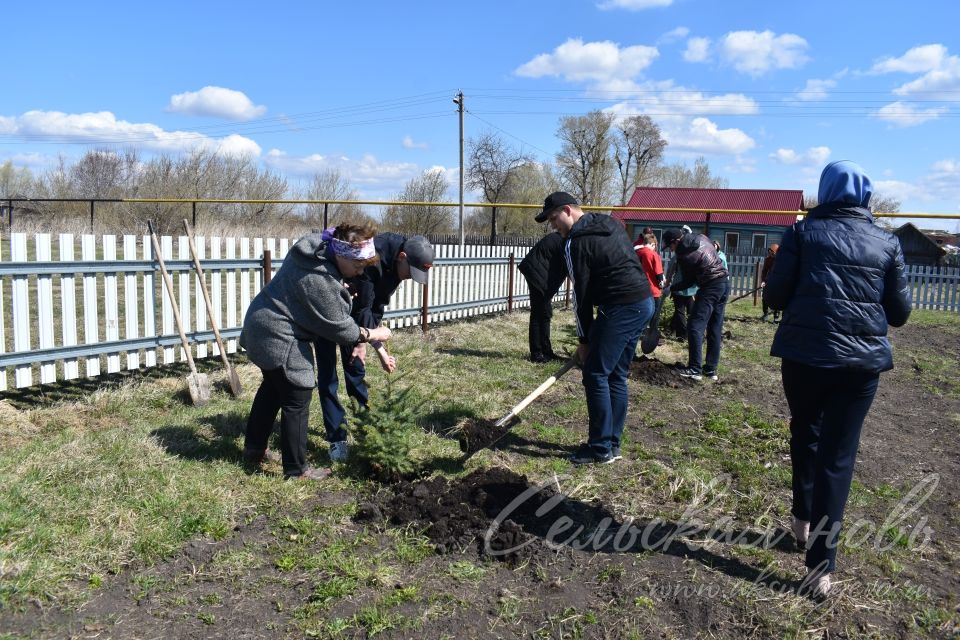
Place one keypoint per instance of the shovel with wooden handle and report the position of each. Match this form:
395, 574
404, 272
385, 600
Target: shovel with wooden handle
536, 393
744, 295
197, 383
235, 388
480, 434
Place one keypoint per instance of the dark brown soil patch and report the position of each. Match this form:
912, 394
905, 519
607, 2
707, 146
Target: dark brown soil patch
476, 434
480, 511
656, 373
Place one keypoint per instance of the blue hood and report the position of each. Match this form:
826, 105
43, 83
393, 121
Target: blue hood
845, 181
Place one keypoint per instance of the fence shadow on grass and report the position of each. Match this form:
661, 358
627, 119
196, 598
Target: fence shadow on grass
216, 437
79, 389
476, 353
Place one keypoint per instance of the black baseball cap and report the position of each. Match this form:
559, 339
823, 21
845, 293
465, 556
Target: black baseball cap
555, 201
420, 258
671, 235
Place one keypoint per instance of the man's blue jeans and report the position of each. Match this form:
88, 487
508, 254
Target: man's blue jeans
613, 342
707, 317
327, 385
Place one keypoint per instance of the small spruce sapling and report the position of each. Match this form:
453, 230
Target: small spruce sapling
383, 432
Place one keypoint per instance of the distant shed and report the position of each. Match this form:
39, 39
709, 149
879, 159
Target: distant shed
918, 247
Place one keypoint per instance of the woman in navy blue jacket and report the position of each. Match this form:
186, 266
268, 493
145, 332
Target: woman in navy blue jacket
839, 280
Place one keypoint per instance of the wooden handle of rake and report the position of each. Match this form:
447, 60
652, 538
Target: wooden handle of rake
231, 375
158, 254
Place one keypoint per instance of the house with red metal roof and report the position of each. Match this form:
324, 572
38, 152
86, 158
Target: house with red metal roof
741, 220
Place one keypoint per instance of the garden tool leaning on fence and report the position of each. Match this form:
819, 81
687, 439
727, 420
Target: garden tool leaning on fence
235, 388
197, 383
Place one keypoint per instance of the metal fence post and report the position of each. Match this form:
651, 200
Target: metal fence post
510, 285
267, 267
756, 282
325, 207
194, 214
424, 309
91, 215
10, 214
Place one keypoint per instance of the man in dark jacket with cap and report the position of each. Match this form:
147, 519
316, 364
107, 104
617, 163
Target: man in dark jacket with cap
698, 264
400, 259
545, 270
606, 274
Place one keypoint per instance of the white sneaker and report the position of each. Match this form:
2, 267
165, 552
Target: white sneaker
801, 530
817, 586
339, 451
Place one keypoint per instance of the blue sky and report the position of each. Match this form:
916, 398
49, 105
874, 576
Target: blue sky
767, 91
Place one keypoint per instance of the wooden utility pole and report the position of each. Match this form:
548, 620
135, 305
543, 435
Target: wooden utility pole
459, 102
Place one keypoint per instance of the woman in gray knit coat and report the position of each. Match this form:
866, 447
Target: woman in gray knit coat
306, 300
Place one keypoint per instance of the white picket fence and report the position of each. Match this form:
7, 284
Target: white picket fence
75, 309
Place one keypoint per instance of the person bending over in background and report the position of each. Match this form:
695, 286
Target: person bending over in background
305, 301
698, 263
839, 280
399, 259
544, 269
605, 273
682, 299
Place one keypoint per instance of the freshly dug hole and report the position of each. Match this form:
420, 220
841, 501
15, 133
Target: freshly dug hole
658, 374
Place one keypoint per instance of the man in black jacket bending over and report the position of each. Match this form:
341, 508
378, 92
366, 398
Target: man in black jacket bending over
545, 270
699, 264
606, 274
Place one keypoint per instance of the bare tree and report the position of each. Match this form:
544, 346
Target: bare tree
584, 164
492, 166
330, 184
879, 203
698, 177
530, 184
637, 150
16, 182
430, 186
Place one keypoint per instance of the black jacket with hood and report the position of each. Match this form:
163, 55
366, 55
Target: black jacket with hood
604, 268
698, 262
839, 280
544, 266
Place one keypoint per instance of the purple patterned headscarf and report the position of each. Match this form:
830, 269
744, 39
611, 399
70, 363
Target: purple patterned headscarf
363, 250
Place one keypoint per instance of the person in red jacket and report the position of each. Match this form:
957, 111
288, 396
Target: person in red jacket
646, 248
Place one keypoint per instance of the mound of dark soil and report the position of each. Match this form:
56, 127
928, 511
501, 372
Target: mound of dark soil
654, 372
470, 512
476, 434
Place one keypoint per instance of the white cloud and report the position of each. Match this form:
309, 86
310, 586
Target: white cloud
703, 136
755, 53
673, 35
816, 90
103, 127
664, 98
216, 102
633, 5
942, 83
917, 60
902, 114
940, 184
368, 173
814, 156
698, 50
576, 61
408, 143
237, 146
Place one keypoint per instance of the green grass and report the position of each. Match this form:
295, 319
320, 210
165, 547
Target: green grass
126, 477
